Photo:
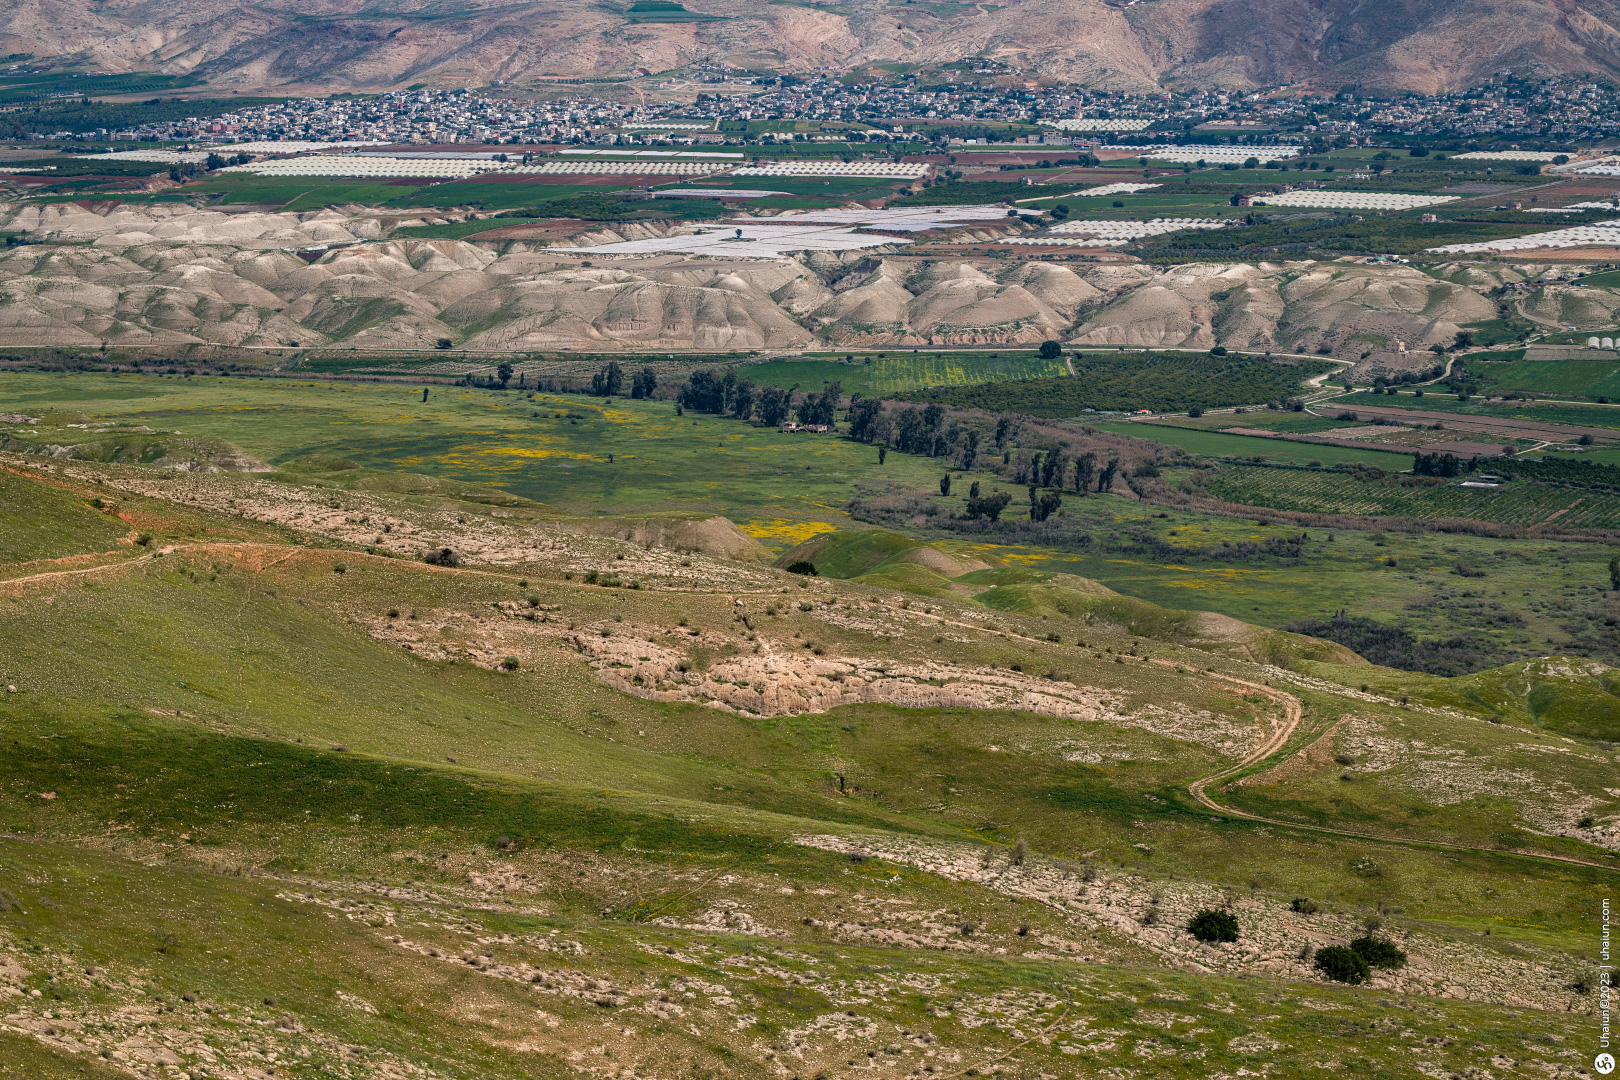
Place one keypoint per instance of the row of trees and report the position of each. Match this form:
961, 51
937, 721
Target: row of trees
609, 381
1051, 470
1437, 465
728, 395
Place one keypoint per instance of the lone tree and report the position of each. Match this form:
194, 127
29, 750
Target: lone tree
644, 384
1211, 925
504, 373
990, 506
945, 484
1342, 965
1051, 350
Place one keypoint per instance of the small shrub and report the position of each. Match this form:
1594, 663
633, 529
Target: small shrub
803, 566
1020, 852
1305, 905
1378, 952
442, 557
340, 568
805, 605
509, 663
1342, 965
1210, 925
393, 613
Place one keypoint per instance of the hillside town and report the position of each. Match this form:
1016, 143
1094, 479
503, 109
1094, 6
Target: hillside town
976, 100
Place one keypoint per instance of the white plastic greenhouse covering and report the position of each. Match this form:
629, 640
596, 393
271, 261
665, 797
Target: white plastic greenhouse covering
1505, 155
621, 168
226, 150
1353, 200
599, 151
349, 165
1098, 124
1111, 189
1221, 152
897, 170
906, 219
1115, 233
1600, 234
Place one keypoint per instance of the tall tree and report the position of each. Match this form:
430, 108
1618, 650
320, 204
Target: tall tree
1085, 467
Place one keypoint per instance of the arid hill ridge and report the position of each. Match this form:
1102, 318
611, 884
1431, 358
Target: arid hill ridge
334, 45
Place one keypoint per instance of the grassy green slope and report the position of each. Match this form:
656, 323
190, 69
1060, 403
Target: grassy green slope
181, 822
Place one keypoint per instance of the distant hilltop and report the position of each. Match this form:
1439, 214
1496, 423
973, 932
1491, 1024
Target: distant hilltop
326, 46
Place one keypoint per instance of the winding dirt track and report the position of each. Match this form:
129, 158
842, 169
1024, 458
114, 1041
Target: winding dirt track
1280, 734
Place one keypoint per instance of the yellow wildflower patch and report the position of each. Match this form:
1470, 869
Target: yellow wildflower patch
794, 532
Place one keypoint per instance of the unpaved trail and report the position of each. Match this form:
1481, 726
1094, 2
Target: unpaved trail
1280, 735
48, 574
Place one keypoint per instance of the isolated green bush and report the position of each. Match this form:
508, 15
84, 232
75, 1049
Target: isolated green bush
1212, 925
1378, 952
1342, 965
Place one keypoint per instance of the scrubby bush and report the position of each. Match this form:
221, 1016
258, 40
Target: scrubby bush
1378, 952
442, 557
1342, 965
1305, 905
803, 566
1210, 925
509, 663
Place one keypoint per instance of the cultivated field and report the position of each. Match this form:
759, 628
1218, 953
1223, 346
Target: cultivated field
1383, 496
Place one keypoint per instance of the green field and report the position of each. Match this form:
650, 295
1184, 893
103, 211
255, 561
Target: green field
559, 457
1220, 444
1343, 493
1119, 382
1579, 378
898, 372
1546, 412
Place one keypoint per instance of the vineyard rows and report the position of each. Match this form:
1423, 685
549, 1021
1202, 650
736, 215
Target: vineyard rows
898, 374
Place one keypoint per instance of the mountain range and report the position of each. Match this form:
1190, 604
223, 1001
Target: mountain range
318, 46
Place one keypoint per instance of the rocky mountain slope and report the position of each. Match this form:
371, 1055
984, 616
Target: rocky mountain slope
338, 45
